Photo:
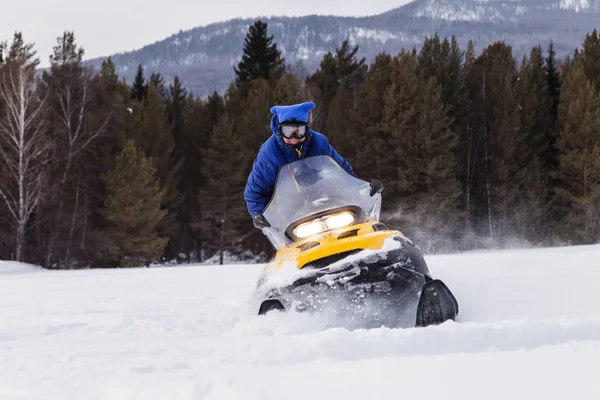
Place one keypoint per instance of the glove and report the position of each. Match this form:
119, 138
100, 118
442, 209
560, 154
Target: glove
260, 222
376, 187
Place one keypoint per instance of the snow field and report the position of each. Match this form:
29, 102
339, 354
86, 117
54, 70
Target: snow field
529, 327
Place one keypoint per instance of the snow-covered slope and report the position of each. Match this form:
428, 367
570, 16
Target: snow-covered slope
529, 328
496, 10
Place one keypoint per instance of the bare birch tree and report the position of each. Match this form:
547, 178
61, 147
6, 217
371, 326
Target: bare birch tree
23, 147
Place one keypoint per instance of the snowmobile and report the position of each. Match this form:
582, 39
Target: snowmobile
334, 255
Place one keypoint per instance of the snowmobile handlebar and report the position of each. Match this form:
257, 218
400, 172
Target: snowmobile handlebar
376, 187
260, 221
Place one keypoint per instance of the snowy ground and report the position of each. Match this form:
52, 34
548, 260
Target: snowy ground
529, 328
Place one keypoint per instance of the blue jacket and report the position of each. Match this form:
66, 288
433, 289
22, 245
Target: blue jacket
274, 154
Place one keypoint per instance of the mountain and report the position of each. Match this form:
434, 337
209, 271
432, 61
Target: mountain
204, 57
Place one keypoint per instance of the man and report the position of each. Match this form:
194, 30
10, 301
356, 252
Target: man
292, 139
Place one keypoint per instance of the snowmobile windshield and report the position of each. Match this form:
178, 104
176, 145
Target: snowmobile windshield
314, 187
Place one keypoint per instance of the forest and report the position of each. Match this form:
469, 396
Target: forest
474, 150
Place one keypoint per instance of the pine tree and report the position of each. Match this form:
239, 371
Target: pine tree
287, 90
343, 66
140, 87
157, 80
591, 58
215, 108
20, 51
175, 107
66, 51
496, 142
430, 59
198, 128
425, 183
78, 116
371, 147
339, 124
253, 124
116, 95
442, 60
260, 58
507, 154
179, 173
535, 124
132, 211
553, 82
534, 103
501, 137
578, 176
252, 129
108, 71
151, 133
206, 116
113, 98
468, 148
225, 220
109, 75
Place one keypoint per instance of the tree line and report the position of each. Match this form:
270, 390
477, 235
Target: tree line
473, 150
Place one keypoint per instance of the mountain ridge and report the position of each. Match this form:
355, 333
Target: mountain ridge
204, 57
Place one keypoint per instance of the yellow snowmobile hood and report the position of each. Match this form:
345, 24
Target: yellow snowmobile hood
365, 236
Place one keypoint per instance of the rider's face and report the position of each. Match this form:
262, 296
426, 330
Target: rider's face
293, 140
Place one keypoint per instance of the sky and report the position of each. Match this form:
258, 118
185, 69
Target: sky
106, 27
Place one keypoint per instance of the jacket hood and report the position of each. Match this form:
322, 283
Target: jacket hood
275, 129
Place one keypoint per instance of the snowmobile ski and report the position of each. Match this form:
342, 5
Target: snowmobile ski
436, 304
270, 305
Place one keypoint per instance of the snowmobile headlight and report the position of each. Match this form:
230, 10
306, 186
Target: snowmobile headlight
339, 220
329, 222
308, 229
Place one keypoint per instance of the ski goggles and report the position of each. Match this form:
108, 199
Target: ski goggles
297, 131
